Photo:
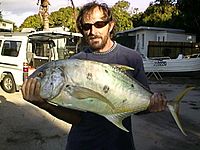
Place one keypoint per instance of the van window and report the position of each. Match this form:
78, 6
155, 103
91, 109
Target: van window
71, 47
41, 49
11, 48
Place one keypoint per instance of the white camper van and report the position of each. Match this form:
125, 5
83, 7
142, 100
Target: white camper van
21, 53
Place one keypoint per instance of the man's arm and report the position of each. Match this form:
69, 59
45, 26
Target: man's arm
30, 92
158, 101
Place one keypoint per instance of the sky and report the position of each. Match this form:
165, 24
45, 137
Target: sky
18, 10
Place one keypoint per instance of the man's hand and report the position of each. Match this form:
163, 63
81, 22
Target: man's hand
30, 92
158, 102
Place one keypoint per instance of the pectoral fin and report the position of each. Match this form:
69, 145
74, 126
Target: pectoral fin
82, 93
117, 119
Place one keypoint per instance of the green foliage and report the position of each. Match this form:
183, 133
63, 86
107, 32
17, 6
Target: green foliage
63, 17
122, 16
190, 15
32, 22
158, 15
183, 14
15, 28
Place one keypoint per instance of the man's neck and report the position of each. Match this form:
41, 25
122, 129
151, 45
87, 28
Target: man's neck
107, 47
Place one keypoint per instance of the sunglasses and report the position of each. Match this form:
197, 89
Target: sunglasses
98, 24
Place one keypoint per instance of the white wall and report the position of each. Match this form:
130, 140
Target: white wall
158, 34
148, 36
171, 37
6, 25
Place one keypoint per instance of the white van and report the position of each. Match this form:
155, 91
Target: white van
21, 53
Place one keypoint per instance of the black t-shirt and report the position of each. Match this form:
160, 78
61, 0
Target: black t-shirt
95, 132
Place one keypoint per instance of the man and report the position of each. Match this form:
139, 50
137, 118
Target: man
90, 131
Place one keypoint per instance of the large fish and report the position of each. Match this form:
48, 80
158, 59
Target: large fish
97, 87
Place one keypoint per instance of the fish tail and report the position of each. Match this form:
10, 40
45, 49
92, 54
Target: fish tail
174, 107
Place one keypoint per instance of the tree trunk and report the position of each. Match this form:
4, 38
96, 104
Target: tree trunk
44, 14
75, 15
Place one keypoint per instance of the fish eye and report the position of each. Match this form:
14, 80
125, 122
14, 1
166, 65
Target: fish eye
40, 74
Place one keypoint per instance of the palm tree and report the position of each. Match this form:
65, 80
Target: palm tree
74, 10
44, 13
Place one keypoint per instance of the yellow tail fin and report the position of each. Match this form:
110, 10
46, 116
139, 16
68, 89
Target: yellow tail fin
174, 107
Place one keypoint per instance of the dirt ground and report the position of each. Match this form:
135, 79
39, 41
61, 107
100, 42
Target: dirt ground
158, 131
24, 126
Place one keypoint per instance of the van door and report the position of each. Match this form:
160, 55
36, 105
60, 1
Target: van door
53, 45
11, 64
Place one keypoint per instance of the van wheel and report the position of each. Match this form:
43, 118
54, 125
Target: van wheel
8, 84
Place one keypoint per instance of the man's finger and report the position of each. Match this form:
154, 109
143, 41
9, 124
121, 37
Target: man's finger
160, 102
37, 89
23, 89
29, 88
32, 89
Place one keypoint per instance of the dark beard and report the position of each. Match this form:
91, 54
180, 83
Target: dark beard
96, 46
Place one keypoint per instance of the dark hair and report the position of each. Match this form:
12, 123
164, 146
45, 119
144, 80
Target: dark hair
90, 6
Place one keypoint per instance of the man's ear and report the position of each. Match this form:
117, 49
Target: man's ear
112, 24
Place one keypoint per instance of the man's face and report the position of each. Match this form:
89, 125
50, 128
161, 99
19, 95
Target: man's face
97, 29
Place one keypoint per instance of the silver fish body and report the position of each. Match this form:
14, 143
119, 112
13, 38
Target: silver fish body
93, 86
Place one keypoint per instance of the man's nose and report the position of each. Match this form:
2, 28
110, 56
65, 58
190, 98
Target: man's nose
93, 30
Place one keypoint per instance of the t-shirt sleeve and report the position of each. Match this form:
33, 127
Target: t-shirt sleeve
139, 73
77, 56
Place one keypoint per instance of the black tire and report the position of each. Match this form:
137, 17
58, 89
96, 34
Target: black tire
8, 84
